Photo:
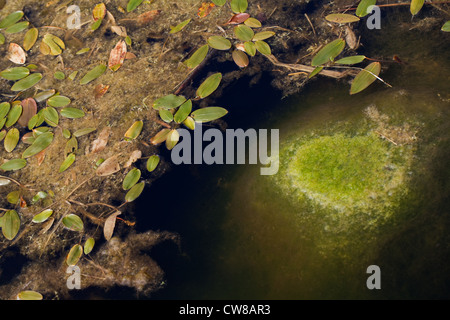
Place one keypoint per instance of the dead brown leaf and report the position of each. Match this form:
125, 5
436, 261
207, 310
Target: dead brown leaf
135, 155
108, 167
100, 143
16, 54
29, 109
147, 17
110, 224
117, 56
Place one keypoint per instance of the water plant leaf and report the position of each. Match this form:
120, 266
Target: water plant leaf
263, 35
315, 72
51, 116
253, 23
89, 245
263, 47
342, 18
244, 33
11, 19
83, 131
84, 50
250, 48
14, 164
131, 179
239, 6
189, 123
208, 114
4, 109
110, 224
197, 57
58, 101
16, 54
73, 222
27, 82
2, 39
14, 114
44, 95
240, 58
13, 197
219, 43
55, 44
209, 85
152, 163
10, 224
15, 73
74, 255
416, 6
99, 11
179, 26
71, 146
11, 139
205, 9
219, 2
29, 295
172, 139
17, 27
238, 18
59, 75
133, 4
93, 74
108, 167
68, 161
351, 60
183, 111
29, 109
43, 216
135, 130
365, 77
160, 137
446, 26
72, 113
41, 143
170, 101
361, 10
135, 192
328, 52
166, 115
117, 56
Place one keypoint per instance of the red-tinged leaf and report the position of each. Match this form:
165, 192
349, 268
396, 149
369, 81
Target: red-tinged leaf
130, 55
240, 58
16, 54
117, 56
147, 17
238, 18
100, 90
40, 157
99, 11
205, 9
29, 109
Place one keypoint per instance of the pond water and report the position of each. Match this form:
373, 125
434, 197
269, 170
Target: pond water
300, 234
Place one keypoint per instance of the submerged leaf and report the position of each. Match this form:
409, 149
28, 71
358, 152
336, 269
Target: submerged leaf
133, 4
29, 295
110, 223
131, 178
219, 43
5, 107
67, 162
446, 26
10, 224
341, 18
73, 222
108, 167
172, 139
416, 6
197, 57
244, 33
43, 216
18, 27
11, 139
240, 58
72, 113
253, 23
170, 101
41, 143
58, 101
93, 74
152, 163
11, 19
135, 130
89, 245
361, 10
117, 56
263, 35
209, 85
12, 165
208, 114
29, 109
351, 60
183, 111
205, 9
263, 47
328, 52
239, 6
51, 116
135, 192
27, 82
180, 26
14, 114
238, 18
365, 77
99, 11
74, 255
16, 73
160, 137
54, 43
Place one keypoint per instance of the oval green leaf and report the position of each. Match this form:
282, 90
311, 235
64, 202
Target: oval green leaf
133, 4
83, 131
58, 101
11, 19
13, 197
89, 245
73, 222
166, 115
68, 161
172, 139
10, 224
41, 142
14, 164
253, 23
43, 216
72, 113
135, 192
160, 137
4, 109
183, 112
361, 10
263, 47
11, 139
93, 74
219, 2
446, 26
189, 123
244, 33
263, 35
16, 73
208, 114
27, 82
152, 163
14, 114
74, 255
250, 48
209, 85
219, 43
17, 27
365, 77
50, 116
131, 179
351, 60
170, 101
135, 130
416, 6
239, 6
197, 57
179, 27
30, 38
328, 52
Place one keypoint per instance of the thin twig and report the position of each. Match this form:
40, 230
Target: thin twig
312, 26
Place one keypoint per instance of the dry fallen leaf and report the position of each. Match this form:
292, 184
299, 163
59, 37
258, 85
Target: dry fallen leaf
117, 56
130, 55
40, 156
16, 54
135, 155
110, 223
148, 16
100, 90
205, 9
108, 167
100, 143
121, 31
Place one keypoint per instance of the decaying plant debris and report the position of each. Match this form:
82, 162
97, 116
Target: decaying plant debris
144, 63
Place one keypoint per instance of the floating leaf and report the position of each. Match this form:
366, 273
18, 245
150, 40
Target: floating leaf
240, 58
11, 139
239, 6
166, 115
81, 51
55, 44
328, 52
416, 6
341, 18
316, 71
96, 24
172, 139
219, 2
16, 54
365, 77
180, 26
170, 101
29, 109
99, 11
244, 33
250, 48
133, 4
361, 10
59, 75
16, 73
189, 123
72, 76
93, 74
71, 146
108, 167
44, 95
51, 116
135, 192
446, 26
183, 112
72, 113
27, 82
30, 38
43, 216
10, 224
5, 107
135, 130
160, 137
238, 18
263, 35
11, 19
208, 114
58, 101
152, 163
74, 255
263, 47
110, 224
13, 197
73, 222
209, 85
117, 56
219, 43
253, 23
29, 295
205, 9
83, 131
351, 60
197, 57
68, 161
41, 143
89, 245
131, 178
14, 114
12, 165
18, 27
